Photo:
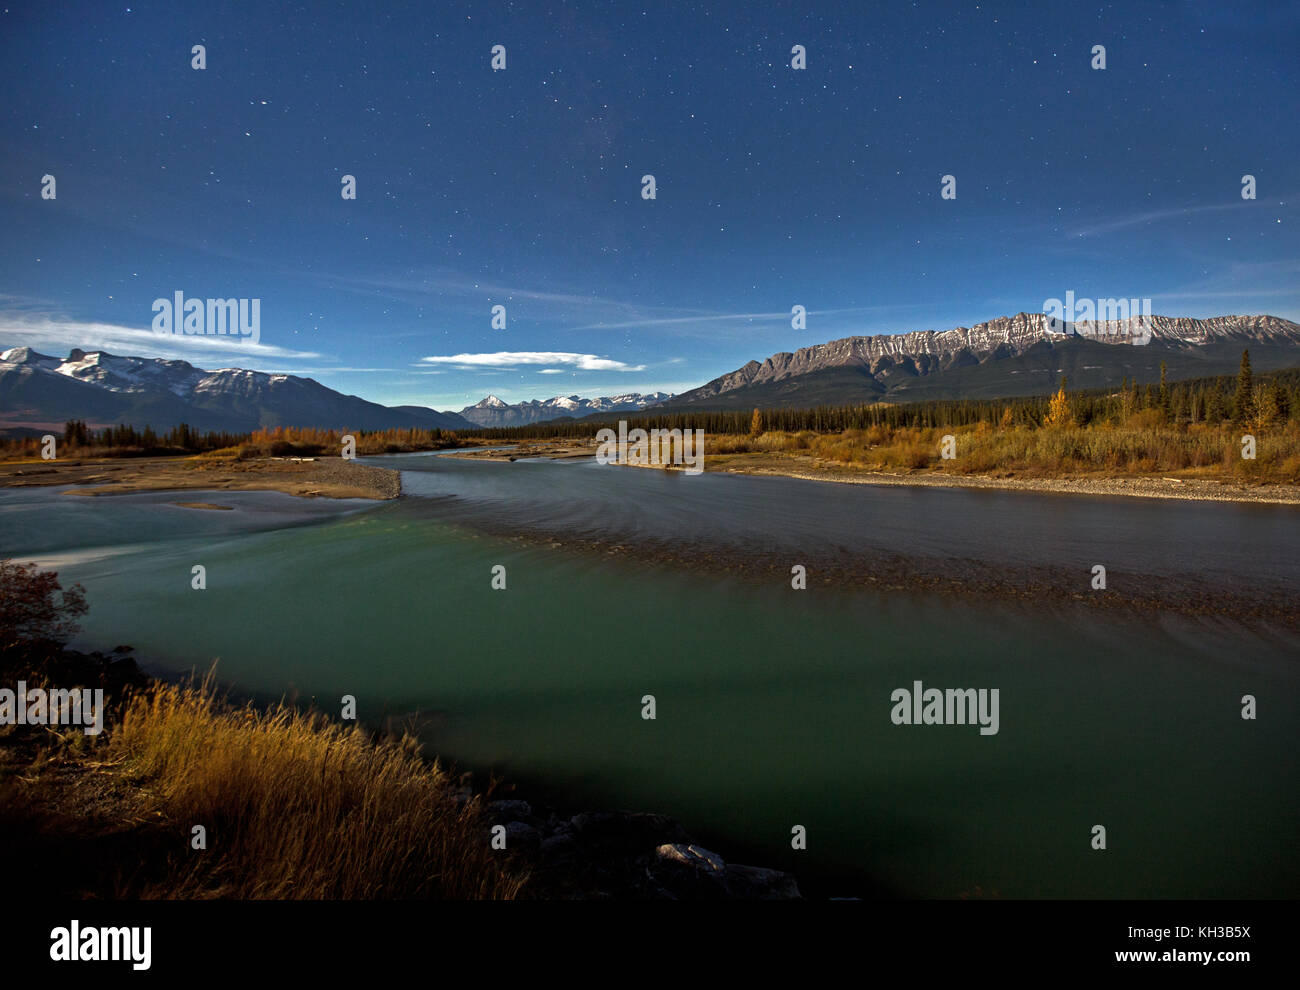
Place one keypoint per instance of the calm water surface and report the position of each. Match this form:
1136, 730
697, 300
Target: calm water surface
773, 705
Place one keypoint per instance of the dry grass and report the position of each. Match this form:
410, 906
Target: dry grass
298, 807
28, 452
1139, 448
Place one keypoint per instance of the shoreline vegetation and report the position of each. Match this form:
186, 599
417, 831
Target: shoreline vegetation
1225, 439
904, 460
787, 455
763, 455
1219, 439
293, 804
301, 462
321, 477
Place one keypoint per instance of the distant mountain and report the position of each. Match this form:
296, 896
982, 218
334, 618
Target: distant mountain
491, 411
41, 391
1015, 355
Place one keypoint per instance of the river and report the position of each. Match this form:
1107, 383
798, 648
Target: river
773, 705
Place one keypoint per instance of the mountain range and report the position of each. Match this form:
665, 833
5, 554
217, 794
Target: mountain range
492, 411
1023, 354
1008, 356
42, 392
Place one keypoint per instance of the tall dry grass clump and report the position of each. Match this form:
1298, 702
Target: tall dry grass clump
298, 807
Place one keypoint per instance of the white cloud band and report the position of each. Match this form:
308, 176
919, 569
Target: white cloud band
513, 359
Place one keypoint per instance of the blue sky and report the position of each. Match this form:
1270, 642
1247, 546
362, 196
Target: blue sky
774, 186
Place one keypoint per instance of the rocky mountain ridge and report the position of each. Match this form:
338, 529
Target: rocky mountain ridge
101, 388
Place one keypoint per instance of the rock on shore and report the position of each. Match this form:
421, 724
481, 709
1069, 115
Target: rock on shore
626, 855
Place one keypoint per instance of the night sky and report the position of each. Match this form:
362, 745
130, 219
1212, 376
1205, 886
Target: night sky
774, 186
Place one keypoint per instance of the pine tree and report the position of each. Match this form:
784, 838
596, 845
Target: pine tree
1178, 405
1244, 399
1214, 407
1281, 402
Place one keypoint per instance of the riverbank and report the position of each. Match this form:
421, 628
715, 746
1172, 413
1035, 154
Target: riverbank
549, 449
294, 804
306, 477
1197, 489
808, 467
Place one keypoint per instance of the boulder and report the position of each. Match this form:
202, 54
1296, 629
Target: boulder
696, 857
508, 811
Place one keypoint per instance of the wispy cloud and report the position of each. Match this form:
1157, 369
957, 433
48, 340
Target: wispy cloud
513, 359
440, 286
676, 320
699, 317
1234, 294
1271, 287
55, 334
567, 310
341, 369
1175, 213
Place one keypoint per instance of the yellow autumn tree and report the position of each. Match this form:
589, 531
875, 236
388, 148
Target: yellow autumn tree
1262, 408
1058, 411
756, 423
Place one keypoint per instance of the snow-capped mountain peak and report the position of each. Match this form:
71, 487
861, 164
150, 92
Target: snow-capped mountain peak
161, 393
493, 412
